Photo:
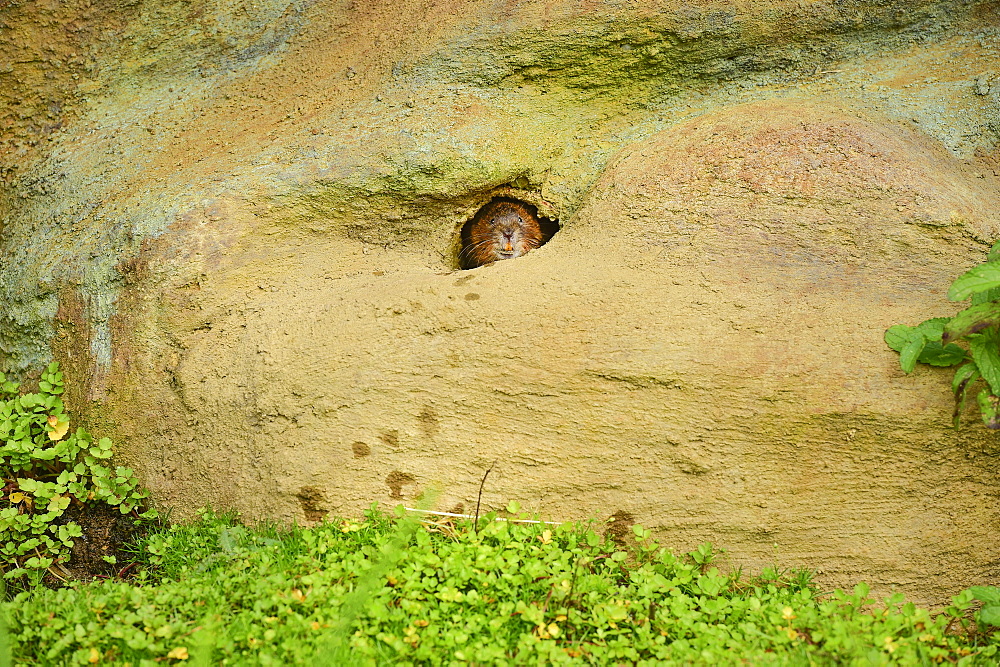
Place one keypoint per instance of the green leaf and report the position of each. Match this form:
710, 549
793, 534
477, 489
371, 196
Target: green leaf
989, 406
990, 615
987, 594
933, 328
972, 320
988, 295
985, 352
936, 354
908, 355
964, 377
898, 336
977, 279
920, 343
59, 503
992, 294
27, 485
100, 452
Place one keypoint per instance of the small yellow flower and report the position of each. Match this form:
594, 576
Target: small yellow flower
787, 613
890, 646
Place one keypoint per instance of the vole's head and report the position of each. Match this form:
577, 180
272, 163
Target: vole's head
501, 230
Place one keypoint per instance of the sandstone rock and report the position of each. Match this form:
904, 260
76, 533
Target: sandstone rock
699, 347
248, 270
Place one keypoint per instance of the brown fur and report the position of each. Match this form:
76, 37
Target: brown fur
503, 229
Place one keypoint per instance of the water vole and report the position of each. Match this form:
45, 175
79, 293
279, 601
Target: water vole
503, 229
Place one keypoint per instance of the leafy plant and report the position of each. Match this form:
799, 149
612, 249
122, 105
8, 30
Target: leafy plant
990, 597
934, 341
400, 593
44, 469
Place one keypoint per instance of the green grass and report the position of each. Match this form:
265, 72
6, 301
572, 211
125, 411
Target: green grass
388, 591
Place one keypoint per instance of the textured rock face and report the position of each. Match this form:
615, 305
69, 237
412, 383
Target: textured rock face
250, 272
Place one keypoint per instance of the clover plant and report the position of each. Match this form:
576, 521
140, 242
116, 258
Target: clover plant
935, 341
44, 469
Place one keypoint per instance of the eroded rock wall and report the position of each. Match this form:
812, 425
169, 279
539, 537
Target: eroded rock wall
242, 246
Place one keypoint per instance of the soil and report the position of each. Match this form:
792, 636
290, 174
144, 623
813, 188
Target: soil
619, 527
106, 532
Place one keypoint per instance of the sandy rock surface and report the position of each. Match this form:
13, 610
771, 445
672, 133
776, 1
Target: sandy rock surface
237, 231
